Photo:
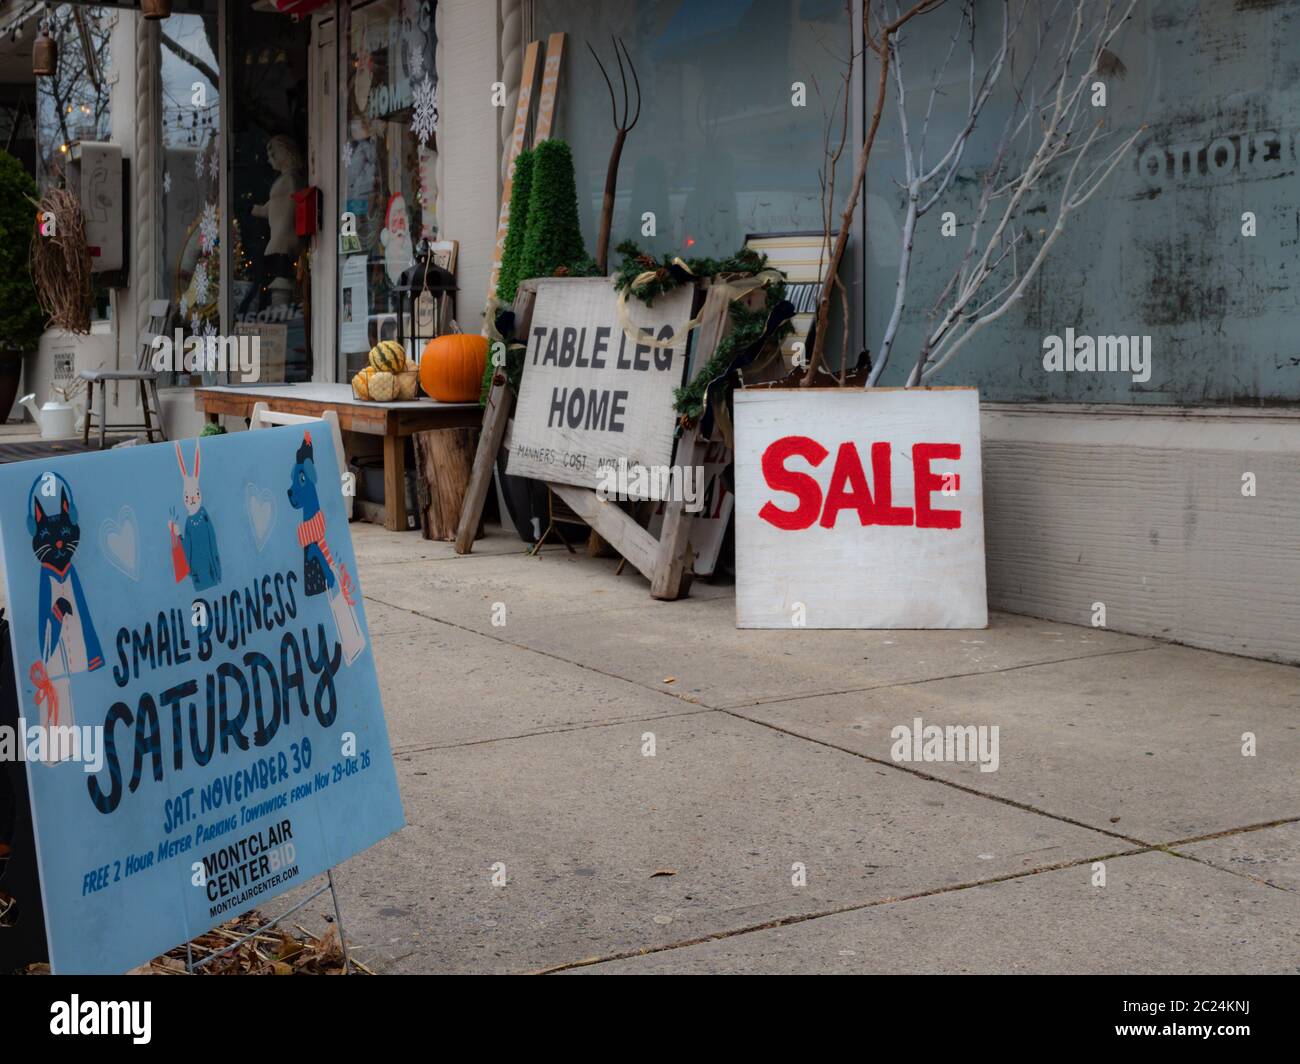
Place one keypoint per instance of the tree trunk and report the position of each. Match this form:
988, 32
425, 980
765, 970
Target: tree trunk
444, 459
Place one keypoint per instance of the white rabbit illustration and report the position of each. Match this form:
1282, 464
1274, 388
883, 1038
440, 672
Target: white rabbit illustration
190, 483
199, 537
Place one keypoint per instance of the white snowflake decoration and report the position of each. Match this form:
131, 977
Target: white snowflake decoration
167, 182
417, 58
347, 155
184, 304
424, 115
208, 228
214, 159
200, 164
201, 282
196, 325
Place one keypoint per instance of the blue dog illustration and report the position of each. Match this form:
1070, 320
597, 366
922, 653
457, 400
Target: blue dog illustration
317, 564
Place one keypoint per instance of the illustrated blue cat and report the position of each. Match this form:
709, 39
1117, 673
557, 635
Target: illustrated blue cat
55, 537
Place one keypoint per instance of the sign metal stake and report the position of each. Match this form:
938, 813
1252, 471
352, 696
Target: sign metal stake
192, 967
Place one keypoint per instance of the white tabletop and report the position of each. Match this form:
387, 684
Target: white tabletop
313, 392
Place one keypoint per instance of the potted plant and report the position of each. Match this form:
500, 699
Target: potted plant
21, 321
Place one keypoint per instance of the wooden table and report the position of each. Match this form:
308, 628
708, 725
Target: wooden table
393, 421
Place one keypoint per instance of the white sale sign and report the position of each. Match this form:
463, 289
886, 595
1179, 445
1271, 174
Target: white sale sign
859, 508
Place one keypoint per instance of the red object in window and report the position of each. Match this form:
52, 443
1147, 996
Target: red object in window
306, 210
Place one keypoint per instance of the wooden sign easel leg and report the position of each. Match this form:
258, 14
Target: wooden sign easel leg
673, 572
500, 404
666, 561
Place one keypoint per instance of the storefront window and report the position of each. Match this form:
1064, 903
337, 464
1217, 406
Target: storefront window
270, 289
387, 165
191, 167
73, 104
723, 148
1157, 253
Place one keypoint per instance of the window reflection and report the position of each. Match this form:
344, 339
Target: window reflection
191, 186
387, 160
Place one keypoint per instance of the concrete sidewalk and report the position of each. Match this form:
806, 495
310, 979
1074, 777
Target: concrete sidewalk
522, 744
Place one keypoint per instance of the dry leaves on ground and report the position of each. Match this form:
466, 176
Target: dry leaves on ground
270, 952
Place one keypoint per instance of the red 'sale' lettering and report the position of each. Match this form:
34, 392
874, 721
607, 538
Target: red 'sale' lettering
928, 482
886, 512
848, 470
800, 485
848, 488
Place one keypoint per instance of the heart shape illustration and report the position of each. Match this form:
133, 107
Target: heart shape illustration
260, 505
120, 542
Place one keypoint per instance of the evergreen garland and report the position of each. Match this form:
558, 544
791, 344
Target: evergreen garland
511, 255
669, 276
747, 326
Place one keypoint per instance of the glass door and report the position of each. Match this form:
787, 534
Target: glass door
267, 130
387, 165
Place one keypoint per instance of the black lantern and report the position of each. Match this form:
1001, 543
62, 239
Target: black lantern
426, 302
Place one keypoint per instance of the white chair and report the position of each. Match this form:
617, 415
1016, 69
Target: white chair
263, 417
144, 376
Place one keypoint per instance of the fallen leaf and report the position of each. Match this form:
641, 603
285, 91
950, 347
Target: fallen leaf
670, 679
663, 872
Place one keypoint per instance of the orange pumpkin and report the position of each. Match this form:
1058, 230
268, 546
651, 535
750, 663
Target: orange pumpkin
451, 368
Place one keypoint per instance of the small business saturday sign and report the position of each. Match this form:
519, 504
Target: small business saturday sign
591, 396
859, 509
202, 724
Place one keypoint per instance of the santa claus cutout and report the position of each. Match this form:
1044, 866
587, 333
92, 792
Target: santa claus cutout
396, 240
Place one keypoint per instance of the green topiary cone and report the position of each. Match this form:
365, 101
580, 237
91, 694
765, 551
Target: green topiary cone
554, 236
509, 277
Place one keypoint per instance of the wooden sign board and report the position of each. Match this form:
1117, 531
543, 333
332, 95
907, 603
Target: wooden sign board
859, 509
664, 559
550, 86
709, 527
545, 120
591, 396
522, 106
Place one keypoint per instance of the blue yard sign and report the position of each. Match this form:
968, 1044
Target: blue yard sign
202, 724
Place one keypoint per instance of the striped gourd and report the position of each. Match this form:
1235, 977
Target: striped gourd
388, 356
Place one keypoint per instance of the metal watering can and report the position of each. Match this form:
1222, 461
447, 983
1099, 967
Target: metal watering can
57, 419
